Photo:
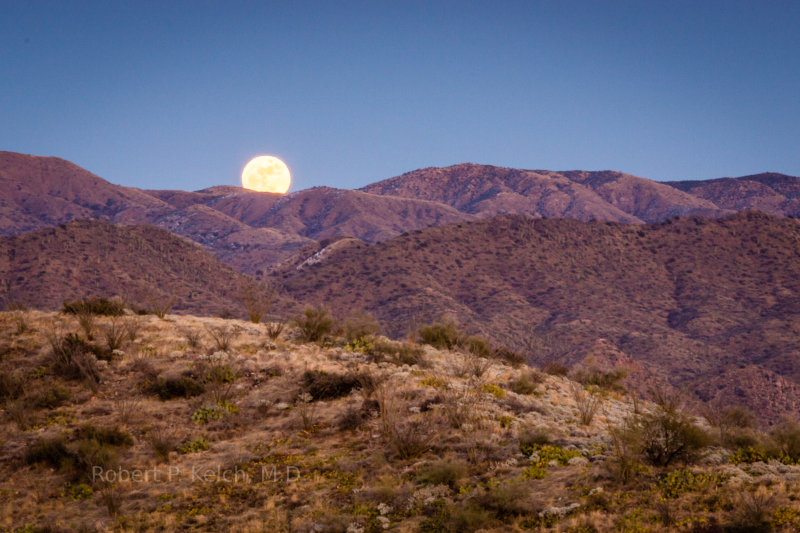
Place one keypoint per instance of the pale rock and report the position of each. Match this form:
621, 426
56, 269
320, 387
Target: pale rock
578, 461
559, 511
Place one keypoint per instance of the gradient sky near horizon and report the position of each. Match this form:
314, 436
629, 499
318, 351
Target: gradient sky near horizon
180, 95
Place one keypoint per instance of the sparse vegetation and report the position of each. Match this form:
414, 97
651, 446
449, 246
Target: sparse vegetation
315, 324
433, 448
257, 296
94, 306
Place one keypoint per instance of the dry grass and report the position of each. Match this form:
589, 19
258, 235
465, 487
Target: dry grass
432, 447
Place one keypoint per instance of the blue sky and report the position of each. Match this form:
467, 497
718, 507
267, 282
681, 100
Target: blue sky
181, 94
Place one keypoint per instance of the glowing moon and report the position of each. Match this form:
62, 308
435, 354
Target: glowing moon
266, 174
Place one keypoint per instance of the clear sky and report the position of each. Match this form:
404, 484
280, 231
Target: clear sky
181, 94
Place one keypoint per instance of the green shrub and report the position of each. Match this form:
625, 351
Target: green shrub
494, 390
323, 385
206, 414
94, 306
194, 445
749, 454
315, 324
443, 472
682, 481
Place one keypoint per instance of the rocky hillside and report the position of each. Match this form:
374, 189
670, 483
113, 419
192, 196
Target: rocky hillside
218, 425
701, 303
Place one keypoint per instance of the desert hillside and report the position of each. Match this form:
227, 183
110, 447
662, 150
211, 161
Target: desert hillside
710, 305
184, 423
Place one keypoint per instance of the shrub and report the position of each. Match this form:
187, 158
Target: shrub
476, 346
206, 414
494, 390
669, 436
94, 306
410, 438
275, 328
48, 398
681, 481
447, 518
358, 327
12, 385
185, 386
257, 297
506, 500
351, 419
530, 439
162, 441
192, 338
441, 335
90, 447
586, 402
556, 369
660, 438
112, 436
511, 357
223, 336
158, 304
74, 358
526, 383
787, 438
323, 385
115, 333
315, 324
51, 451
601, 379
194, 445
218, 380
400, 353
443, 472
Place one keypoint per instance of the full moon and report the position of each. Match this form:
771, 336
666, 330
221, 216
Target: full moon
266, 174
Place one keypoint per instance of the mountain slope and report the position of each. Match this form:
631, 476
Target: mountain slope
776, 194
94, 258
689, 298
486, 190
43, 191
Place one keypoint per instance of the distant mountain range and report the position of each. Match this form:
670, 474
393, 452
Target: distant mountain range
254, 231
573, 267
